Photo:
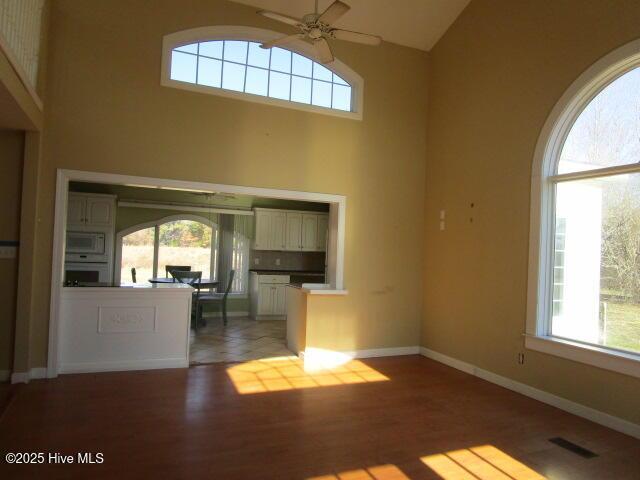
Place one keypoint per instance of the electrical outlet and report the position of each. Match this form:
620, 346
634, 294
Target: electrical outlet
278, 261
256, 261
521, 358
8, 252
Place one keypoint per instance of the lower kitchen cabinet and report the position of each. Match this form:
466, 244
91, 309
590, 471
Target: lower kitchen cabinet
268, 296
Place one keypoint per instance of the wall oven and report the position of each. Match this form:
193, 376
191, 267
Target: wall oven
80, 273
86, 247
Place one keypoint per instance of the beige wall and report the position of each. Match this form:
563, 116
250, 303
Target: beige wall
106, 111
11, 154
494, 78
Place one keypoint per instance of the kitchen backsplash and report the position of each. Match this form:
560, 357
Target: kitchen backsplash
288, 260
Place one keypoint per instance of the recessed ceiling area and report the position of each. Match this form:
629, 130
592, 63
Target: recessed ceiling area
412, 23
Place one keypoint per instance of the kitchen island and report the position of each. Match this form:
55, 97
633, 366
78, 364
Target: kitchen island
128, 327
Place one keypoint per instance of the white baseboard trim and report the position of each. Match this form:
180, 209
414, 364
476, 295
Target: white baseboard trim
596, 416
33, 374
385, 352
5, 375
229, 314
123, 366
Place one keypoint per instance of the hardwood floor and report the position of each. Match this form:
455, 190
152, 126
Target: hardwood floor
418, 420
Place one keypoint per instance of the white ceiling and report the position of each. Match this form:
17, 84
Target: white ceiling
412, 23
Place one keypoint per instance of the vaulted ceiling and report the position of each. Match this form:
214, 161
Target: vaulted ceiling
412, 23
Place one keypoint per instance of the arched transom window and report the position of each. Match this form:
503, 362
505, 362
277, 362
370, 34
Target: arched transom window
229, 61
587, 247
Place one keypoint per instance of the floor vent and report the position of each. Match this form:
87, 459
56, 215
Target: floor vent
572, 447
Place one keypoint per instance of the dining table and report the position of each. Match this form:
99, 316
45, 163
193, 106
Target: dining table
204, 283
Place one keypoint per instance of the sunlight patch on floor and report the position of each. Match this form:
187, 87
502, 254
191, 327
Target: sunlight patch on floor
291, 373
479, 463
380, 472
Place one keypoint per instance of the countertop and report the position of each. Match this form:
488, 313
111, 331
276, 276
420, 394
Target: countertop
260, 271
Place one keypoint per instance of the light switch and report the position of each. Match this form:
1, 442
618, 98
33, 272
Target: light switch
441, 214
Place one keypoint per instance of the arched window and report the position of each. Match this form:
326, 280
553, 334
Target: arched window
228, 61
181, 240
584, 296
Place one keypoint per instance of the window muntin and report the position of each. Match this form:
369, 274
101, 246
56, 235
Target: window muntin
607, 131
242, 66
596, 256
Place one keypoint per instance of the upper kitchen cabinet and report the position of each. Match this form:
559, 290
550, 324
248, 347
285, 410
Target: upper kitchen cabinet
90, 210
292, 231
270, 229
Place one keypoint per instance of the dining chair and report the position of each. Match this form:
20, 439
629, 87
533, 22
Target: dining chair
181, 268
213, 297
192, 279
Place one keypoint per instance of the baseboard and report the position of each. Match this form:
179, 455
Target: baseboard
385, 352
596, 416
33, 374
123, 366
229, 314
5, 375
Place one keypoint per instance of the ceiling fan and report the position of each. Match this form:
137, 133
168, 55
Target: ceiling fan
317, 29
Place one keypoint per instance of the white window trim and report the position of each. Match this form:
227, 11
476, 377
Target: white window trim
235, 32
550, 142
156, 224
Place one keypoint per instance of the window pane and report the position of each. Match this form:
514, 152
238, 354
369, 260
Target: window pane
596, 284
209, 72
337, 79
606, 132
321, 94
257, 81
233, 76
341, 97
280, 60
191, 48
235, 51
322, 73
185, 242
183, 67
258, 57
301, 65
211, 49
279, 85
301, 90
137, 252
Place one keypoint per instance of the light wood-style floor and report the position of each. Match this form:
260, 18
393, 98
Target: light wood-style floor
388, 419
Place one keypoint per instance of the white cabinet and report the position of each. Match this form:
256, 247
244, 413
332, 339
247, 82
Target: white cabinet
268, 296
270, 230
294, 231
90, 210
309, 234
291, 231
323, 229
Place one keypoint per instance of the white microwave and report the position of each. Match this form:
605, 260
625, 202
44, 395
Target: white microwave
86, 247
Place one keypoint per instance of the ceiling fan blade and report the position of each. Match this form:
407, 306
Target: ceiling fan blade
334, 12
355, 37
281, 41
280, 18
323, 51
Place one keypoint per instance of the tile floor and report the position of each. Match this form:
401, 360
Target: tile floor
241, 340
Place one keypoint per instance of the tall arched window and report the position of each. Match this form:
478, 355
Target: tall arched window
228, 61
584, 296
182, 240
